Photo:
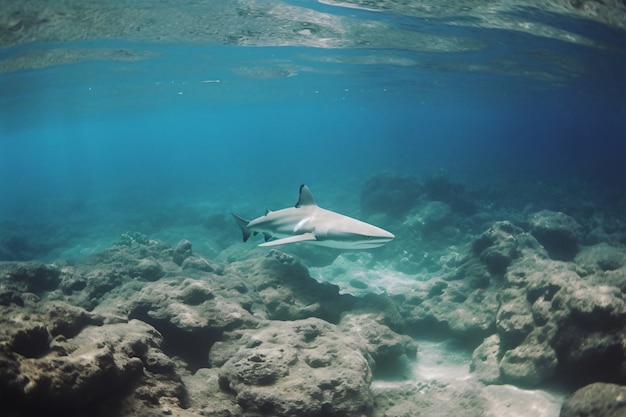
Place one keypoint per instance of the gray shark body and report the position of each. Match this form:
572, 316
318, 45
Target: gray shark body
308, 222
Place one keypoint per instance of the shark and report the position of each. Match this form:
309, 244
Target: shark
307, 222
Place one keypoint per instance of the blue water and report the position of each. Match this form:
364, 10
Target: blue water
91, 149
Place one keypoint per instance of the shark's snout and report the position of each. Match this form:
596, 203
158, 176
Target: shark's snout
381, 234
374, 240
388, 235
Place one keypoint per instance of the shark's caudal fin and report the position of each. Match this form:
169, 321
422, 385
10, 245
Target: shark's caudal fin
243, 224
306, 198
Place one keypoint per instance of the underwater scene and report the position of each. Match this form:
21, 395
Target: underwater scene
340, 208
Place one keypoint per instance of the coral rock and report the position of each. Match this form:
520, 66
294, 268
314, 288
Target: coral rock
304, 368
557, 232
485, 360
182, 251
598, 400
498, 246
529, 364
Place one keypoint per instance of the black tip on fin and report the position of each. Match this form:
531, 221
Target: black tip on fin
306, 197
243, 225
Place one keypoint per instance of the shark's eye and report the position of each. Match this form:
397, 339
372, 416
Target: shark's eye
368, 237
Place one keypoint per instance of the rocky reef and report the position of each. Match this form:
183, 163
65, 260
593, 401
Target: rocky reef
542, 300
145, 328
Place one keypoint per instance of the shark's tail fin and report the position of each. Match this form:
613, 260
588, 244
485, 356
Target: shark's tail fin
243, 224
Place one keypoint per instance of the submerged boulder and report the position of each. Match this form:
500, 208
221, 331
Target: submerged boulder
530, 363
304, 367
75, 373
598, 400
559, 233
485, 360
503, 245
182, 251
30, 277
148, 269
591, 339
498, 246
189, 315
601, 258
383, 344
283, 289
187, 259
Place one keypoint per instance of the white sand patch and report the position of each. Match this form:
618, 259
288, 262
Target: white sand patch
508, 400
442, 367
436, 360
359, 277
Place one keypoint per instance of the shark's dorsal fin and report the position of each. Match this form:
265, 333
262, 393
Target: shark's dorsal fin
306, 198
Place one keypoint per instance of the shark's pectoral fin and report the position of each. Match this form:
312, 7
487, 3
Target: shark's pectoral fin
291, 239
